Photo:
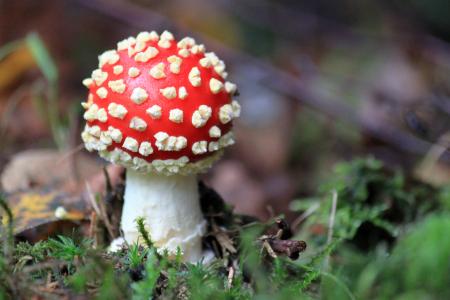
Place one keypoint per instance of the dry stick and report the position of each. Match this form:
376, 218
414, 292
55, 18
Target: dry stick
49, 278
230, 277
70, 153
73, 140
109, 187
100, 210
435, 152
269, 249
93, 219
105, 219
304, 216
92, 198
279, 79
93, 229
331, 227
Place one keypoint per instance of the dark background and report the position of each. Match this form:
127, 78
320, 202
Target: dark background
319, 82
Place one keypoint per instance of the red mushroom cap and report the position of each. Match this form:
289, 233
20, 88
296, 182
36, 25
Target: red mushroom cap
159, 105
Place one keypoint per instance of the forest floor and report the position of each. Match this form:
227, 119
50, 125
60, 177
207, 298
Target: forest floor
370, 233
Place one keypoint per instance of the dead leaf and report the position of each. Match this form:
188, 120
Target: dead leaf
15, 65
45, 195
33, 208
225, 242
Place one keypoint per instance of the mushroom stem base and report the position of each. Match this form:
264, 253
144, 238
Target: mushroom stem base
171, 210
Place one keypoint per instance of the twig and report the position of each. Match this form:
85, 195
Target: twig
100, 210
331, 226
93, 228
70, 153
435, 152
304, 216
91, 198
332, 216
269, 249
284, 230
93, 219
107, 180
230, 277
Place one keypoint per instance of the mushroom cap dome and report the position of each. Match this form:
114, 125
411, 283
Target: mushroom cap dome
158, 105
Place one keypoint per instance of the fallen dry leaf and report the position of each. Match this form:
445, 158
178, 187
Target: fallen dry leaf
33, 208
47, 187
13, 66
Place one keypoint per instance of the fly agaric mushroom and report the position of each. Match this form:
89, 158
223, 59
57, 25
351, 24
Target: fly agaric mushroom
162, 109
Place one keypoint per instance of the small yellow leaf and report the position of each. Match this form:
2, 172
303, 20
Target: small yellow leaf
33, 208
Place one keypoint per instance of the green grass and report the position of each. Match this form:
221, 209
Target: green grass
409, 260
45, 90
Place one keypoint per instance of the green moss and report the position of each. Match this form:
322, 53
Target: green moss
412, 264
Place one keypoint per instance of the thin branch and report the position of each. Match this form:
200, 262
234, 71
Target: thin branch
332, 216
230, 277
331, 226
101, 211
304, 216
434, 154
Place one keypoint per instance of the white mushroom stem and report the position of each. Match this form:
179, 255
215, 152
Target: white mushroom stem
171, 210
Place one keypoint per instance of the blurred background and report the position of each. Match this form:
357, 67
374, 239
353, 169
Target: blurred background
319, 82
